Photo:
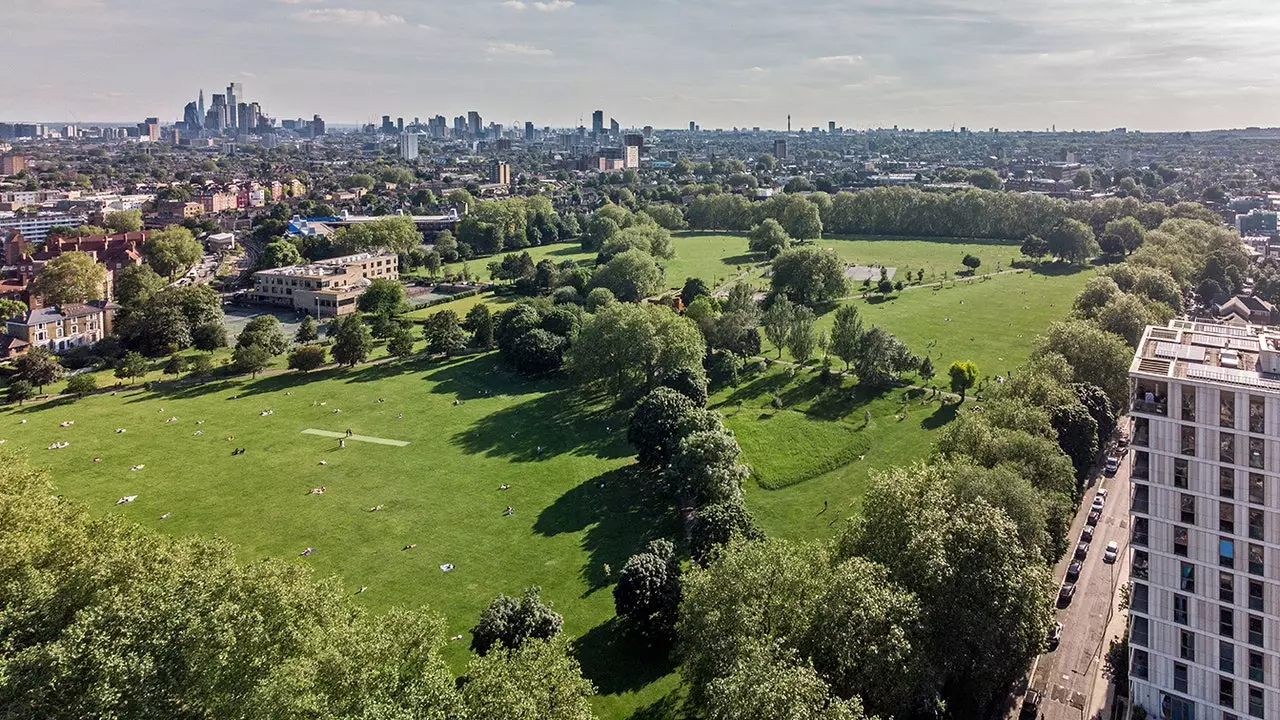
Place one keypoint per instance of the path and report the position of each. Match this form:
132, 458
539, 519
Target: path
357, 438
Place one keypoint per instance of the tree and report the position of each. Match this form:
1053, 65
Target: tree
280, 253
600, 298
539, 681
926, 369
801, 338
598, 231
132, 365
694, 288
963, 374
973, 262
1129, 231
1035, 247
479, 322
705, 469
307, 332
123, 221
252, 358
1097, 292
690, 381
359, 180
768, 235
1096, 356
20, 391
631, 276
769, 683
384, 296
136, 284
537, 352
509, 622
1127, 316
626, 347
717, 525
264, 331
209, 336
809, 276
668, 216
443, 333
71, 277
658, 422
172, 251
393, 233
175, 365
82, 384
1077, 435
37, 366
306, 358
881, 358
1073, 241
352, 340
1083, 179
201, 366
12, 308
447, 245
985, 179
777, 321
846, 334
647, 595
400, 344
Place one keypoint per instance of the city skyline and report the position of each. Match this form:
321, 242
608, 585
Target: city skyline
1094, 64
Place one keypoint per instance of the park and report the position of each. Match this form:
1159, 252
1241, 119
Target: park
510, 482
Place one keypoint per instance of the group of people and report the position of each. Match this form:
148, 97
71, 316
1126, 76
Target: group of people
237, 451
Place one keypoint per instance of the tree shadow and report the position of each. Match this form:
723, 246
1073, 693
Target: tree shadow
474, 377
1058, 269
940, 417
557, 423
187, 390
620, 511
750, 258
617, 660
765, 384
667, 707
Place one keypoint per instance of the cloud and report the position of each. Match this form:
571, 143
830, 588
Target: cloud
352, 18
509, 48
552, 6
833, 60
300, 2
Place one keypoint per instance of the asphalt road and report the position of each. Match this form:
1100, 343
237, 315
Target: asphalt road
1069, 676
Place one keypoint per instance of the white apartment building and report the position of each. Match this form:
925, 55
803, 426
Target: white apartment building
1205, 578
36, 227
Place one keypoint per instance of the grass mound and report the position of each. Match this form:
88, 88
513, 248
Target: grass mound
786, 447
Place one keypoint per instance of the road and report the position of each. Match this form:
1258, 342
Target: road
1070, 676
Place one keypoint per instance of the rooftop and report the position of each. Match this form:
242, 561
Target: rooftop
321, 268
1243, 355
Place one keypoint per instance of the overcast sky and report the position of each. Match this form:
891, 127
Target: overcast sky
1013, 64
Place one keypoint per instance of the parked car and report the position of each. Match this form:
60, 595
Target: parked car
1065, 593
1111, 553
1099, 500
1082, 550
1093, 517
1113, 465
1055, 635
1086, 535
1073, 570
1030, 706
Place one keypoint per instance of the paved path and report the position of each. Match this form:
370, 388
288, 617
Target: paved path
357, 438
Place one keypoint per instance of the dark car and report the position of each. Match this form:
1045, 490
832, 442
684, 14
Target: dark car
1065, 593
1082, 550
1093, 518
1030, 705
1055, 635
1086, 535
1073, 570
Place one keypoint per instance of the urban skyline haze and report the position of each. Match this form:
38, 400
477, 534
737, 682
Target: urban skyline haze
1091, 64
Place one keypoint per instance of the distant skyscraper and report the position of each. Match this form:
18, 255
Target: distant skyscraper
400, 124
614, 128
528, 132
692, 126
459, 126
153, 128
317, 126
409, 146
387, 126
235, 91
500, 173
648, 131
780, 149
473, 123
191, 116
831, 126
216, 119
200, 107
597, 123
242, 118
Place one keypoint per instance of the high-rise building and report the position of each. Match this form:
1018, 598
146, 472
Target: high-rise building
399, 124
200, 105
693, 127
780, 149
614, 128
317, 126
242, 118
152, 126
1204, 578
597, 123
459, 126
235, 91
255, 116
191, 116
387, 127
216, 119
528, 132
831, 127
409, 146
648, 131
500, 173
473, 123
12, 164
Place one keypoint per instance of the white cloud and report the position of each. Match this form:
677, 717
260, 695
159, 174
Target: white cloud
509, 48
354, 18
552, 6
838, 60
515, 4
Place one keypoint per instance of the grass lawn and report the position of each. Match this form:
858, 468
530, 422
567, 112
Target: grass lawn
496, 302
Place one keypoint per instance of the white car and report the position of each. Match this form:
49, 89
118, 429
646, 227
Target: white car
1111, 553
1100, 500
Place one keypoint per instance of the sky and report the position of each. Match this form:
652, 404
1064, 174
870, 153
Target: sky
1012, 64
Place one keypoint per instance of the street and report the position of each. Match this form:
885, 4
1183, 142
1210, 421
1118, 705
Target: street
1070, 677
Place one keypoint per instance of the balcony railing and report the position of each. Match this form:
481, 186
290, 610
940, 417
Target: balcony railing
1152, 407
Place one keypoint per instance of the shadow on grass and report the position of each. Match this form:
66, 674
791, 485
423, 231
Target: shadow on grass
480, 376
541, 428
750, 258
616, 660
618, 519
765, 384
940, 417
1058, 269
667, 707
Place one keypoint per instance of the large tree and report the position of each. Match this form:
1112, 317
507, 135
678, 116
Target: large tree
384, 296
768, 235
648, 591
1073, 241
279, 253
1096, 356
809, 276
625, 347
631, 276
123, 221
444, 334
352, 340
393, 233
37, 366
265, 332
846, 334
71, 277
510, 622
539, 681
171, 251
136, 284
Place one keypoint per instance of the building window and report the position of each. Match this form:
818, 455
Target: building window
1138, 632
1180, 609
1180, 471
1187, 508
1188, 442
1139, 668
1226, 553
1179, 677
1256, 703
1257, 673
1256, 557
1226, 622
1256, 600
1140, 531
1257, 531
1226, 657
1227, 448
1187, 645
1138, 598
1257, 453
1179, 541
1141, 469
1188, 404
1257, 489
1226, 517
1226, 692
1141, 563
1257, 415
1227, 587
1255, 631
1227, 409
1187, 578
1141, 498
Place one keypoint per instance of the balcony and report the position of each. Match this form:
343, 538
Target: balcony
1141, 432
1141, 469
1151, 398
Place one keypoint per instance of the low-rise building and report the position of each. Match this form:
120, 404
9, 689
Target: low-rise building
36, 226
326, 288
58, 328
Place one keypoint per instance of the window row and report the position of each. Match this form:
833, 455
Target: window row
1227, 410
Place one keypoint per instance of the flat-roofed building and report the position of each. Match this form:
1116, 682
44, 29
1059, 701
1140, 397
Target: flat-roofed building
326, 288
